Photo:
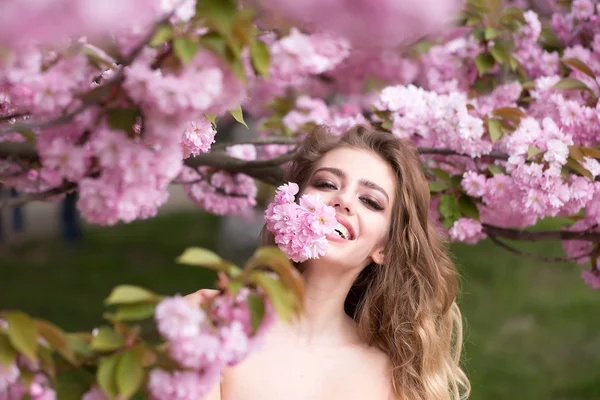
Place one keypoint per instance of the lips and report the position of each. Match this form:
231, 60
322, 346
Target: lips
346, 228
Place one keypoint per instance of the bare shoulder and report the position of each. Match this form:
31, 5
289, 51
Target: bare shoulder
375, 360
370, 373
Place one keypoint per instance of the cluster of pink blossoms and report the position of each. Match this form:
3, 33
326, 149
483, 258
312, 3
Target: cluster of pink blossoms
295, 59
11, 387
221, 192
300, 230
434, 120
309, 112
121, 176
204, 343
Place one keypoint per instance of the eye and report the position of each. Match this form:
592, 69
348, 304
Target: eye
324, 185
372, 203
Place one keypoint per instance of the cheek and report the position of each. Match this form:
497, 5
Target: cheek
377, 228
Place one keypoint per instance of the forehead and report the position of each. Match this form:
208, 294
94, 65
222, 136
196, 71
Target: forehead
360, 164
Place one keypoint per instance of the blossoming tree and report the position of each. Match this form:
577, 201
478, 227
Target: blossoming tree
116, 100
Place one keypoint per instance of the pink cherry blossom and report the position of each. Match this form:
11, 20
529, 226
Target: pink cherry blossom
467, 230
300, 229
177, 319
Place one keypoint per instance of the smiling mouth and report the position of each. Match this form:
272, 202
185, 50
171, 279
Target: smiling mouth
342, 231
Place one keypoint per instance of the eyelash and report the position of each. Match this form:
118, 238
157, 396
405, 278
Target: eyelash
371, 203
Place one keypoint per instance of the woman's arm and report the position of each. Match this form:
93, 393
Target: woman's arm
196, 299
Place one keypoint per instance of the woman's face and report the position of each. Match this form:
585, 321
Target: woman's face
361, 187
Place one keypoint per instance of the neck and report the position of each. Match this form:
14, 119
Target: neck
325, 321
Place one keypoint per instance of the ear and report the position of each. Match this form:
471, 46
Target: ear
378, 255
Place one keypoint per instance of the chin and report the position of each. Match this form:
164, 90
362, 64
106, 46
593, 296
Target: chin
338, 257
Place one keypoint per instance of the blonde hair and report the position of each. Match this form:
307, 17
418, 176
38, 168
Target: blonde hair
405, 307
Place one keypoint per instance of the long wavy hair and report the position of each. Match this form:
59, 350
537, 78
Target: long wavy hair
407, 306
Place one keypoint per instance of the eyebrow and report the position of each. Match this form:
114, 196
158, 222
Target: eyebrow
364, 182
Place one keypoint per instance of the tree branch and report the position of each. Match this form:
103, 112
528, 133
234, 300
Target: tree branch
520, 253
532, 236
263, 141
29, 197
268, 171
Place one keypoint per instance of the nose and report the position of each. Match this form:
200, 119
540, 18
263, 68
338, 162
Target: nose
342, 202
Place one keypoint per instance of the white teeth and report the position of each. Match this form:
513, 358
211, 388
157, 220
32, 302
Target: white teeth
342, 231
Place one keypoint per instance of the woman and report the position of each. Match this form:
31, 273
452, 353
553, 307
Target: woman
381, 320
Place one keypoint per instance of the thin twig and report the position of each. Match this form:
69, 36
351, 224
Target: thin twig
13, 115
30, 197
520, 253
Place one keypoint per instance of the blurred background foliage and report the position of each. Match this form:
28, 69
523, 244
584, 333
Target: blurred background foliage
532, 329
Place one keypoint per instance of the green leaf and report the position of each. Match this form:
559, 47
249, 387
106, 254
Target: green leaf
47, 362
468, 208
163, 33
8, 353
571, 84
273, 258
122, 119
22, 332
57, 338
215, 43
106, 375
590, 152
513, 14
260, 56
211, 117
281, 299
257, 310
28, 134
238, 115
220, 13
499, 52
130, 372
106, 340
448, 206
494, 169
442, 174
128, 294
574, 165
201, 257
510, 113
437, 186
491, 33
484, 62
495, 129
133, 312
456, 180
79, 345
579, 65
185, 48
532, 151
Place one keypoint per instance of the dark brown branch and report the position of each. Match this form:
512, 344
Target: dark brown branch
13, 115
30, 197
263, 141
532, 236
448, 152
21, 151
520, 253
268, 171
